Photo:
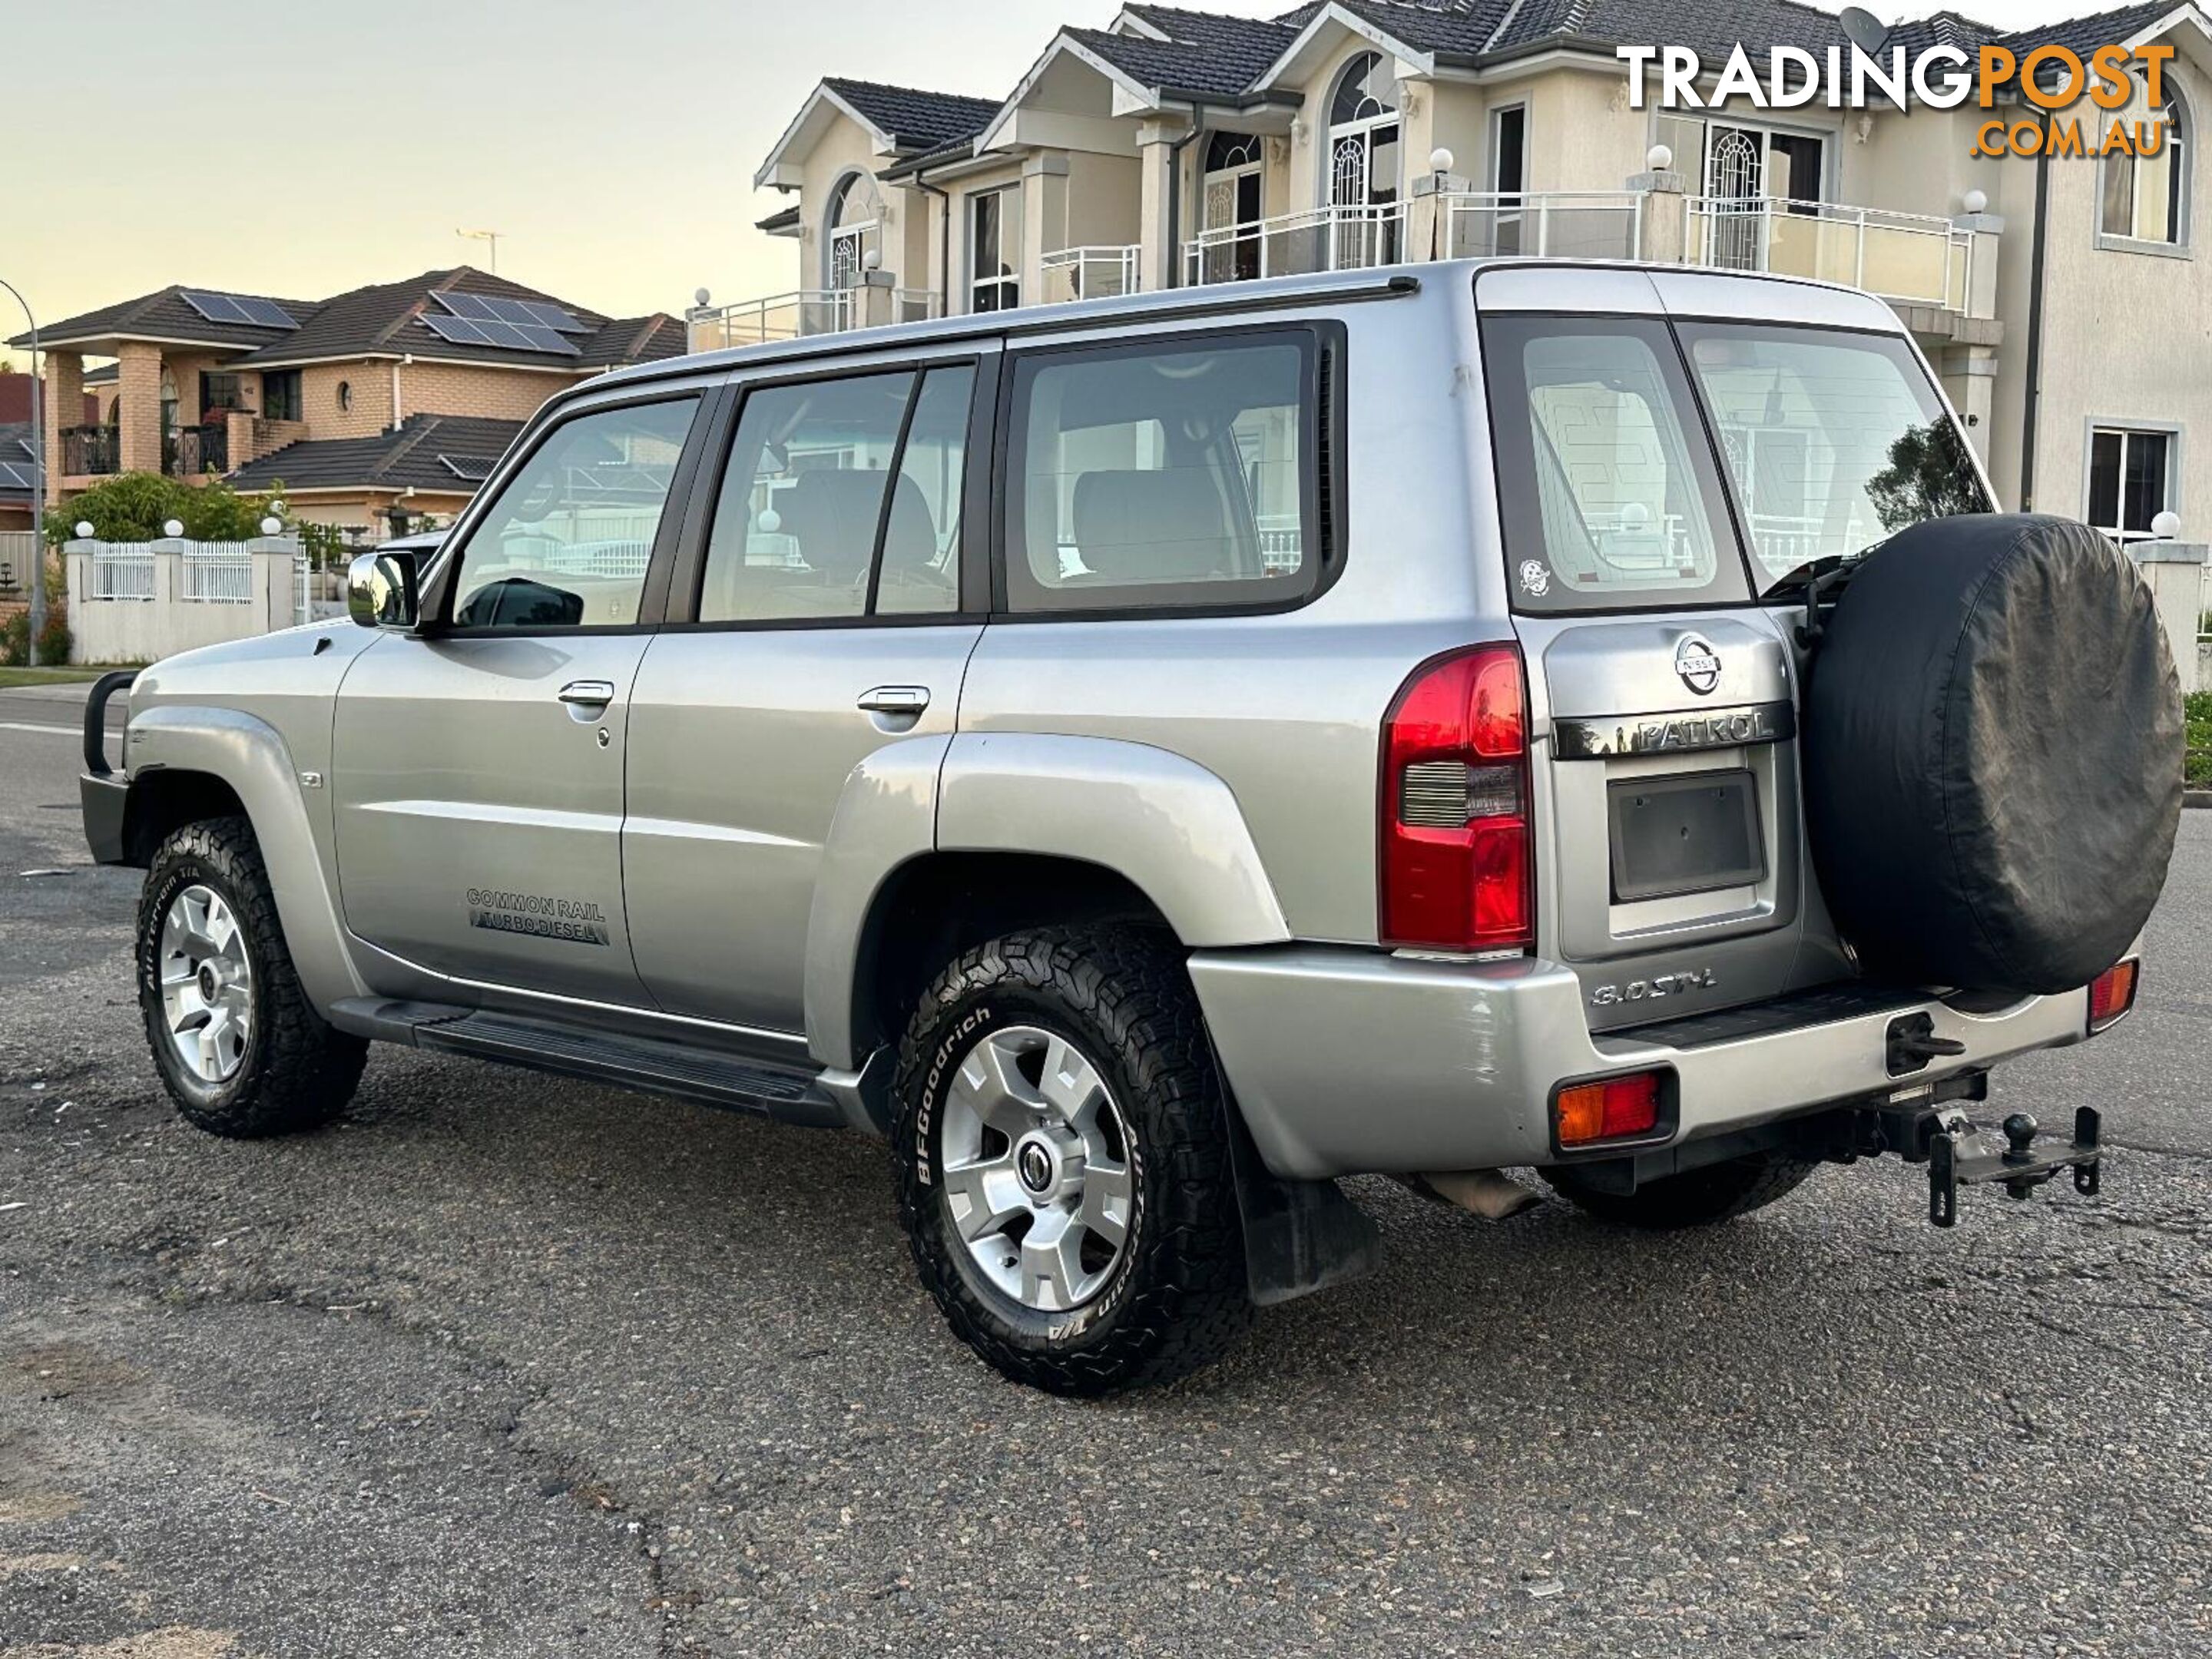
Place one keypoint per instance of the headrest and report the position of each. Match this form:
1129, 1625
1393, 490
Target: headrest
1152, 527
910, 538
831, 514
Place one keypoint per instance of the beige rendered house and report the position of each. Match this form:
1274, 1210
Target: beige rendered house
400, 395
2062, 300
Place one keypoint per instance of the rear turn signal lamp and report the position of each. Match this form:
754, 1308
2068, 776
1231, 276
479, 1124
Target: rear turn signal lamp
1611, 1109
1458, 868
2111, 993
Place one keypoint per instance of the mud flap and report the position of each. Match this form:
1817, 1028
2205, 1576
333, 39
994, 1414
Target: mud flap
1300, 1237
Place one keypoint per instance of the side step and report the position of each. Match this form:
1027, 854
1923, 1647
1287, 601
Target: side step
789, 1094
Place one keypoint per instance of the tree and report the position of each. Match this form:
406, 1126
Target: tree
133, 506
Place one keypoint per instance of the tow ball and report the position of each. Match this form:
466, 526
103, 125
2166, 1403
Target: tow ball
1959, 1155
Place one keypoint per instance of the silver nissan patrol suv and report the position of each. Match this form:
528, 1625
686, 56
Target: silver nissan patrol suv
1149, 759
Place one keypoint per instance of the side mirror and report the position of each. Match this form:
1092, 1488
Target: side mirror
380, 589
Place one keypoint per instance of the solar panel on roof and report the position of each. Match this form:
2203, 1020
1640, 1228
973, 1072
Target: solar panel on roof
473, 468
13, 476
522, 313
504, 337
237, 308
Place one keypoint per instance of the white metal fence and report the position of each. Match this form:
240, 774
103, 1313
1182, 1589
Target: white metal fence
1913, 256
122, 570
1091, 273
1552, 224
798, 314
218, 573
1355, 237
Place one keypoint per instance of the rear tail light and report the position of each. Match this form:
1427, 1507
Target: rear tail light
1458, 868
2111, 993
1611, 1109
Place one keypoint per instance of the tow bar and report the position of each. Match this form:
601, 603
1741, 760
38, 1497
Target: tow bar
1958, 1156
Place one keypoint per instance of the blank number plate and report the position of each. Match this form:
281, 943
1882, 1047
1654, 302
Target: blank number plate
1684, 835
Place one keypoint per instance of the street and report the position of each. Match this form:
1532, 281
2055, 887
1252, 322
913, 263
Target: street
508, 1365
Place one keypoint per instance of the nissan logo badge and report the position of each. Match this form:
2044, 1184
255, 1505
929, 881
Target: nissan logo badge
1696, 663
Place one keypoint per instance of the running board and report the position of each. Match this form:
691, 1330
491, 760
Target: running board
789, 1094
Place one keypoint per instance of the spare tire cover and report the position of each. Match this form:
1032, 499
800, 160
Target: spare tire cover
1993, 749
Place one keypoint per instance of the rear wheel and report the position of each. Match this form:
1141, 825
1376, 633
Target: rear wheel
1063, 1162
1697, 1198
240, 1048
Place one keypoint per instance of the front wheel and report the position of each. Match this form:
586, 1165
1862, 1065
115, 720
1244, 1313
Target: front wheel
240, 1049
1063, 1163
1696, 1197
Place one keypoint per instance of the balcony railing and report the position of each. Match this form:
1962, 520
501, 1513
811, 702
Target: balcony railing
1913, 258
1334, 238
193, 451
1555, 224
1092, 273
798, 314
90, 451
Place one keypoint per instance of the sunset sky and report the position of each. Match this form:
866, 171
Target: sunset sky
298, 147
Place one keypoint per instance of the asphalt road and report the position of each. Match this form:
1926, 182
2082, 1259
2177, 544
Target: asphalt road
504, 1365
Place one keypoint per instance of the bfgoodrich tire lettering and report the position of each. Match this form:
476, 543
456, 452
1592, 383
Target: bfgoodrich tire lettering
295, 1071
1174, 1297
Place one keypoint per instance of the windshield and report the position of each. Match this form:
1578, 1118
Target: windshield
1833, 441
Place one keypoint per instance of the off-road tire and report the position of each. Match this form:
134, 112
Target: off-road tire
1178, 1298
1697, 1198
297, 1072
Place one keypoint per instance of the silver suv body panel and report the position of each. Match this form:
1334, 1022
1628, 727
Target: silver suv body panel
699, 849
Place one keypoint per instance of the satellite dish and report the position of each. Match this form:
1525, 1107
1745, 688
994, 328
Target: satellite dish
1863, 29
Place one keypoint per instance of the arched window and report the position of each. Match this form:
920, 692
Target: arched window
2146, 197
1228, 247
852, 228
1361, 180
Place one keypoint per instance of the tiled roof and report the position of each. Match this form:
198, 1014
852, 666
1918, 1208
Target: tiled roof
383, 318
1171, 65
1253, 41
391, 460
917, 119
163, 315
2084, 35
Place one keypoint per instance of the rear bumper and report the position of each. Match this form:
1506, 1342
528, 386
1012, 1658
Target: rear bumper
1347, 1061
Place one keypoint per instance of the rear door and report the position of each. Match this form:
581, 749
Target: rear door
1665, 468
829, 612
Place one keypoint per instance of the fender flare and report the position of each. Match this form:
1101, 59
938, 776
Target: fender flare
251, 757
1166, 824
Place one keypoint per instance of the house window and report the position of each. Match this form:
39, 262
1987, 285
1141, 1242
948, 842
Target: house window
852, 230
2146, 197
220, 393
1362, 182
1508, 178
280, 395
1228, 248
994, 244
2130, 480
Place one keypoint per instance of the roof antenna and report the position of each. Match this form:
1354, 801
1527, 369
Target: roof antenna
490, 236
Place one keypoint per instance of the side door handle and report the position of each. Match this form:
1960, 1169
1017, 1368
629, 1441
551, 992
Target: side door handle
588, 694
895, 700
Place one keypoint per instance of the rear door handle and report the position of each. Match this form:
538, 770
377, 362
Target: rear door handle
588, 694
895, 700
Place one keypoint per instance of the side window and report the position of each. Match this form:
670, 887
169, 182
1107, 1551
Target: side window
1607, 488
567, 543
1164, 475
813, 470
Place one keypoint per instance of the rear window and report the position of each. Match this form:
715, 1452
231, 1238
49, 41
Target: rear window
1834, 442
1179, 476
1609, 495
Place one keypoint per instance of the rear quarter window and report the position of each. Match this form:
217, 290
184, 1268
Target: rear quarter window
1177, 475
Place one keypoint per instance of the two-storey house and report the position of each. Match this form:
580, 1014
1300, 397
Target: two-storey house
2061, 300
401, 395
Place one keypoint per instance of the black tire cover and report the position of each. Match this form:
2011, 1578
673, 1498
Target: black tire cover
1993, 750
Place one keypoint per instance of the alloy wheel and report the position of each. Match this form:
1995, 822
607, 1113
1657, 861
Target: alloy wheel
207, 984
